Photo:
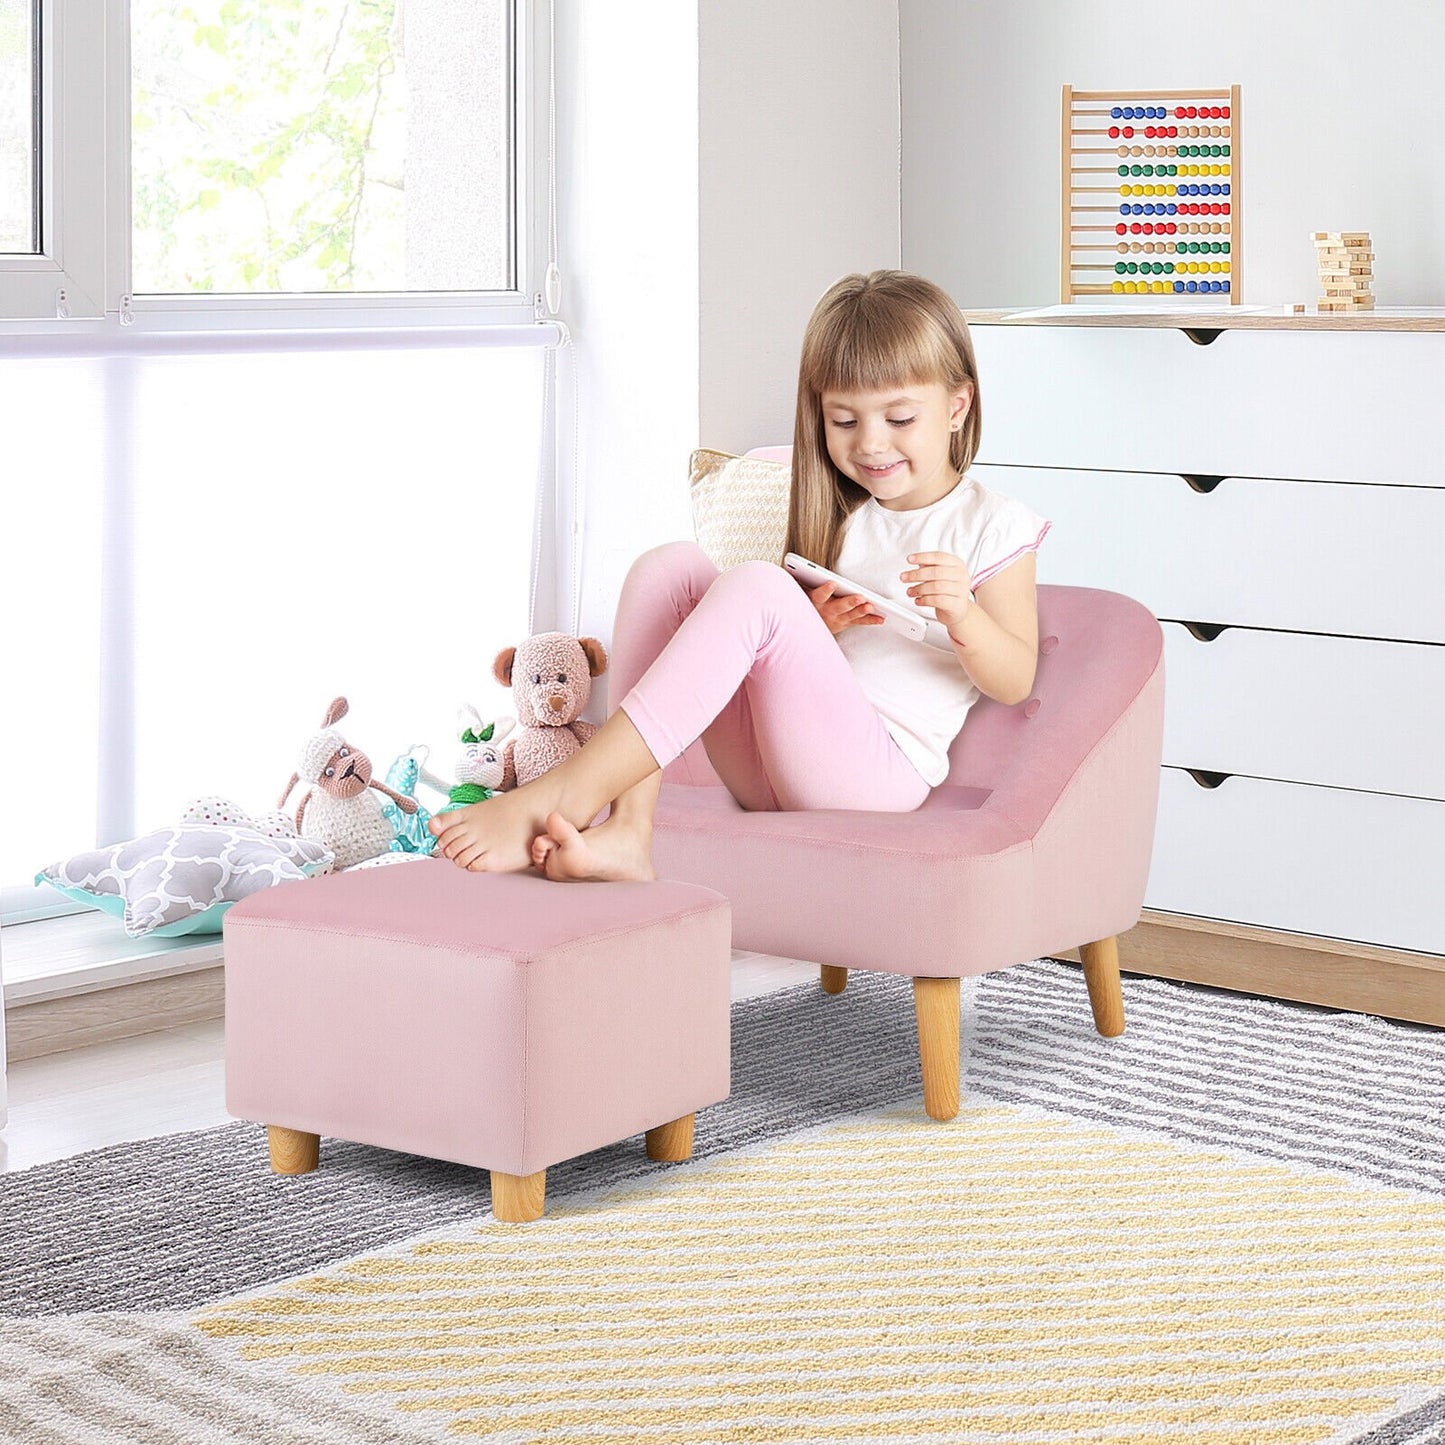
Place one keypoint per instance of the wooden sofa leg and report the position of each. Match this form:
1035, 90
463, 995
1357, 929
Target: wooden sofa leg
671, 1143
293, 1151
936, 1003
834, 980
518, 1198
1106, 993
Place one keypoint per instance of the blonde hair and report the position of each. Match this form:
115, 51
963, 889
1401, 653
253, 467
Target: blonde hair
869, 333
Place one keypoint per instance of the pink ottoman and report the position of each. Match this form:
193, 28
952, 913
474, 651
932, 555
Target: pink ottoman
498, 1020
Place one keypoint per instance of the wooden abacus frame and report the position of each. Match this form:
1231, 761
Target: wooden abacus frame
1086, 143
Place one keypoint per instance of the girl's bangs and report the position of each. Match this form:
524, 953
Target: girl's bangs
879, 352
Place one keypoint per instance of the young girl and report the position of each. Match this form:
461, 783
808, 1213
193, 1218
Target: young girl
803, 699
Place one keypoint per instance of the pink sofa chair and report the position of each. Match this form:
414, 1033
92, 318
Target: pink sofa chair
1038, 841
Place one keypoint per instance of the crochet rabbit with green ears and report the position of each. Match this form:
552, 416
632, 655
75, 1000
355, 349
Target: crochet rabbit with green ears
481, 766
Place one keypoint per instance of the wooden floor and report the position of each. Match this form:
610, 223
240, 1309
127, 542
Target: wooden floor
173, 1081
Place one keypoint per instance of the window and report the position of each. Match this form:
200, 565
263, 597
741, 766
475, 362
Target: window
209, 533
274, 154
53, 138
321, 146
19, 134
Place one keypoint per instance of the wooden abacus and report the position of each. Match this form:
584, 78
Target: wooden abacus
1151, 202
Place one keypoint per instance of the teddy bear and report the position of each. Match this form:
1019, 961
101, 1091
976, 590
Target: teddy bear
550, 675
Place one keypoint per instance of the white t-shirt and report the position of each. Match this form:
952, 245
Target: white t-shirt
922, 693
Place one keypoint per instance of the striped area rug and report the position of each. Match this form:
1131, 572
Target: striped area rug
1226, 1226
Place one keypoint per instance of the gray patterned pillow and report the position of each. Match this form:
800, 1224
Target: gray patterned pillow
182, 879
739, 507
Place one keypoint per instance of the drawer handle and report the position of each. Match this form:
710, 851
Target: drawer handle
1200, 481
1205, 778
1205, 631
1203, 335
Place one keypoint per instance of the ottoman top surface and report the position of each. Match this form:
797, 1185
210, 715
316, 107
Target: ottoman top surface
431, 901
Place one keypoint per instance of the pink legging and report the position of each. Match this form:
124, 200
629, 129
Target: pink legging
742, 660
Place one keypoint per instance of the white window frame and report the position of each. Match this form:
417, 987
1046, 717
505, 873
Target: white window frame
81, 280
69, 273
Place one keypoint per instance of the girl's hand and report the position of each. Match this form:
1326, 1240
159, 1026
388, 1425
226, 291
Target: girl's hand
843, 611
940, 581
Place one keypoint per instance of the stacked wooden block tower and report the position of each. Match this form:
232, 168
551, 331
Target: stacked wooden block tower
1346, 269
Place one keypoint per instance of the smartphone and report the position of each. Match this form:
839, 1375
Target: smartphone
897, 617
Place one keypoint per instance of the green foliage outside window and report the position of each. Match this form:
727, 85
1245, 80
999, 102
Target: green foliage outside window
268, 145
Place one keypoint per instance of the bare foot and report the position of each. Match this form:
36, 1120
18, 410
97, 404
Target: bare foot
494, 836
613, 851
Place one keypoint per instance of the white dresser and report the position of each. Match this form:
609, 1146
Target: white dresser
1274, 490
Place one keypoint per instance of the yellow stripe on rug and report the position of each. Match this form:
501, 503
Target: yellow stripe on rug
1003, 1279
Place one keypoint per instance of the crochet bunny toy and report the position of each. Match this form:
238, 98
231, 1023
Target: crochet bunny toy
340, 810
550, 675
480, 769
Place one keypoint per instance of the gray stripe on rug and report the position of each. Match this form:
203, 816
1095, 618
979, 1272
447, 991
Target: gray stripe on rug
172, 1223
1423, 1426
118, 1378
1336, 1091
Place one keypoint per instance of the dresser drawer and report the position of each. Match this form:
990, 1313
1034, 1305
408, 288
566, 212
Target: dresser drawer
1303, 556
1329, 405
1343, 711
1359, 866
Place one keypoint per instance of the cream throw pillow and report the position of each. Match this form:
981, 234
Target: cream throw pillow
739, 507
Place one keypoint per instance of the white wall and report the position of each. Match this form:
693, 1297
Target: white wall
1343, 119
627, 225
799, 185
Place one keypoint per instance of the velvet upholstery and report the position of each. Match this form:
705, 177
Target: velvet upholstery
499, 1020
1039, 840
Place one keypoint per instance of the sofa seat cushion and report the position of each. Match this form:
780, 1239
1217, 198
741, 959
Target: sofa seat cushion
936, 890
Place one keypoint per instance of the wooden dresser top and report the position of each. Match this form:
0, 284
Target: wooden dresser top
1220, 318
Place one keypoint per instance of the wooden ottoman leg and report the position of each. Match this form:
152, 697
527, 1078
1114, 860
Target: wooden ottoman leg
293, 1151
936, 1003
671, 1143
1106, 993
835, 980
518, 1198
